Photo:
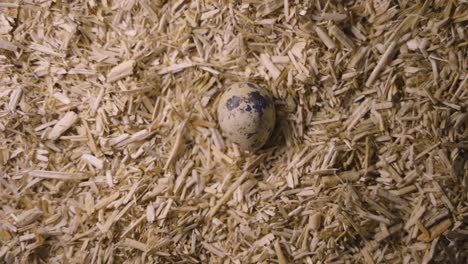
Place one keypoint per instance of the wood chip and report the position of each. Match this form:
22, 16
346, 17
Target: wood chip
436, 231
57, 175
269, 7
213, 249
7, 45
120, 71
66, 122
227, 195
341, 37
92, 160
279, 253
14, 99
175, 68
383, 61
127, 242
325, 38
265, 59
331, 181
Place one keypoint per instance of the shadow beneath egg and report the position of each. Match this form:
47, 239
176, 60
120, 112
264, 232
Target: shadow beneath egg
276, 139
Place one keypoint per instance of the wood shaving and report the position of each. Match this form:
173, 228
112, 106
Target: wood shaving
120, 71
110, 149
66, 122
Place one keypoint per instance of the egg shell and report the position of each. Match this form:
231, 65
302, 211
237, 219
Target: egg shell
246, 115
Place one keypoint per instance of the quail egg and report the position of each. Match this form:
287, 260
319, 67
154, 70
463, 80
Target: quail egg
246, 115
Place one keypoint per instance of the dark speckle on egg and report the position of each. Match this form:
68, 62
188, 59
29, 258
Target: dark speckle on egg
259, 102
249, 135
233, 103
254, 143
251, 85
248, 108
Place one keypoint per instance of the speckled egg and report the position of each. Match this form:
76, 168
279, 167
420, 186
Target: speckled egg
246, 114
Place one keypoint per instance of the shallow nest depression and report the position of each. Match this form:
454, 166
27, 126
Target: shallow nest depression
110, 150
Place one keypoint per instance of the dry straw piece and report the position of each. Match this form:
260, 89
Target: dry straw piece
110, 150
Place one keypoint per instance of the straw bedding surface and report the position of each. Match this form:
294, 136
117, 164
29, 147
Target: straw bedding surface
110, 150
